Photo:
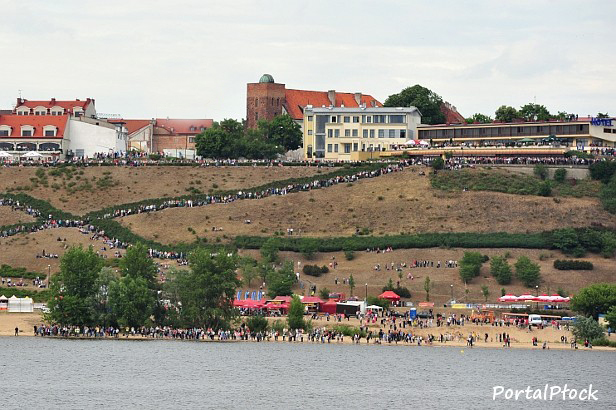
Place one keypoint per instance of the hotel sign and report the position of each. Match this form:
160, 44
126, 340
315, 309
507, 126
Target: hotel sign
604, 122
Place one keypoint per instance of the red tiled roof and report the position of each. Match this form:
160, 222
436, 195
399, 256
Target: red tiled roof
183, 126
297, 100
452, 116
131, 125
37, 121
67, 105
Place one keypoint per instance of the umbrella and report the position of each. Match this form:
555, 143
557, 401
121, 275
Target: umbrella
389, 295
32, 154
274, 306
4, 154
311, 299
527, 298
508, 298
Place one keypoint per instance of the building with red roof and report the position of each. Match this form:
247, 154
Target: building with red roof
33, 133
168, 136
267, 99
75, 107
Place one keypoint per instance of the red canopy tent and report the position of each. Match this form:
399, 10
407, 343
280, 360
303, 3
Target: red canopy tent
329, 307
253, 304
274, 306
312, 299
286, 299
389, 295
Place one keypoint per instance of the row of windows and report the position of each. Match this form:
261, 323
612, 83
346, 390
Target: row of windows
265, 102
366, 119
28, 133
346, 148
541, 130
382, 133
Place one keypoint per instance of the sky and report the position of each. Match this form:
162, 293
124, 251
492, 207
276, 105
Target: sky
193, 59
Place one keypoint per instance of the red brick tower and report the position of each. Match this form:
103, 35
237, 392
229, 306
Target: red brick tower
264, 101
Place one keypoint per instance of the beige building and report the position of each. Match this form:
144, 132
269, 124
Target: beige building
351, 134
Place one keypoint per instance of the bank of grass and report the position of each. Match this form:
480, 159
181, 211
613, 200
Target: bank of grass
7, 271
511, 183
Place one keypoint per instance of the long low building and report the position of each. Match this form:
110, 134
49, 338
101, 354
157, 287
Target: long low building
582, 134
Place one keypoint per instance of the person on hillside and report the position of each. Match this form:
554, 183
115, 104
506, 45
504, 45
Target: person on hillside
16, 331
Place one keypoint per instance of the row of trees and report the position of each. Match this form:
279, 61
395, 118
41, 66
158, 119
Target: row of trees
85, 293
230, 139
525, 270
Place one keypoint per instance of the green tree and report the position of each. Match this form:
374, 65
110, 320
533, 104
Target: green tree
470, 266
269, 250
136, 263
280, 281
500, 269
351, 284
565, 239
541, 171
506, 113
249, 272
594, 299
478, 118
611, 317
534, 112
220, 140
257, 323
438, 163
608, 196
324, 293
560, 175
527, 271
545, 189
428, 102
73, 290
602, 170
587, 328
296, 314
485, 292
131, 300
282, 131
204, 294
106, 277
427, 287
308, 249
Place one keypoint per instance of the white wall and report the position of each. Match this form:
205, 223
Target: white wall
92, 138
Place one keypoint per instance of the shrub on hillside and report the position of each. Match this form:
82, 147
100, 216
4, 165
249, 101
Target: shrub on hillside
568, 264
314, 270
541, 171
560, 175
528, 272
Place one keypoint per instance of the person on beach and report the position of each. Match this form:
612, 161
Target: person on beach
16, 331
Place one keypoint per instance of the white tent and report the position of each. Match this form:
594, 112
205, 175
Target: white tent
4, 302
32, 154
374, 307
4, 154
20, 305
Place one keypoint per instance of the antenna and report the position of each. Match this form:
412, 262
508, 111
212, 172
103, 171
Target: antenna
19, 94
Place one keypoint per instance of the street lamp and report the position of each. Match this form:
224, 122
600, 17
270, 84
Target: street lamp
537, 295
48, 275
366, 293
451, 293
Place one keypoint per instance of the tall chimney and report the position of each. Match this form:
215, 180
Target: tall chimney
358, 98
331, 94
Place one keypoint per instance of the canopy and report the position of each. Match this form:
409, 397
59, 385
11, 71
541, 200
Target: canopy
248, 303
417, 142
527, 298
4, 154
274, 306
284, 298
3, 298
527, 140
32, 154
508, 298
374, 307
312, 299
329, 307
389, 295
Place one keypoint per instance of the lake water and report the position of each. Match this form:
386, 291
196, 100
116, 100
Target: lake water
56, 373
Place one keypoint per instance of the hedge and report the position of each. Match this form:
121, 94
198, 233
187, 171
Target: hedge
37, 296
569, 264
314, 270
10, 272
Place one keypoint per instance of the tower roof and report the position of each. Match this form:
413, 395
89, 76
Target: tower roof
266, 78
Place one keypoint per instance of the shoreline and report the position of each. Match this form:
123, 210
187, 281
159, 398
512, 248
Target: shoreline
347, 341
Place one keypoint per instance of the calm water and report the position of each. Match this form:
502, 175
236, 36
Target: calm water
53, 373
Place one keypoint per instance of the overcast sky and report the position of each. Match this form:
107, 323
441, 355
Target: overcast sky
192, 59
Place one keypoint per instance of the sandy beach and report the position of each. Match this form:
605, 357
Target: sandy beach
520, 338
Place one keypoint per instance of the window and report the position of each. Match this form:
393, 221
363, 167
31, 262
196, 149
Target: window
4, 133
402, 133
334, 118
335, 147
277, 101
396, 119
336, 133
26, 133
191, 140
380, 119
355, 146
202, 128
257, 102
347, 119
347, 133
356, 119
192, 128
329, 147
330, 133
309, 132
607, 130
365, 133
310, 118
371, 133
50, 133
381, 133
40, 113
256, 116
354, 133
347, 148
392, 133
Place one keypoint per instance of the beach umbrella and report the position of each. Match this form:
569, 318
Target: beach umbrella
508, 298
527, 298
32, 154
4, 154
